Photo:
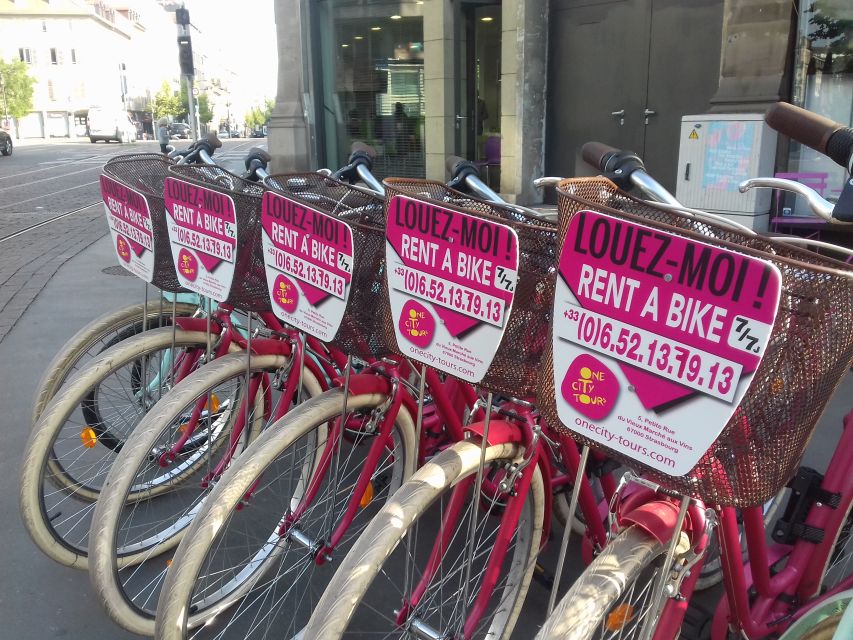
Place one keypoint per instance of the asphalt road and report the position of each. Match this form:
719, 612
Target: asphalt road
52, 282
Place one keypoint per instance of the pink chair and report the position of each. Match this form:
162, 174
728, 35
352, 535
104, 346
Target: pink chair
816, 181
492, 152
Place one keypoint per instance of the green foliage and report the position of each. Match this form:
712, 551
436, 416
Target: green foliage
166, 103
205, 113
258, 117
18, 88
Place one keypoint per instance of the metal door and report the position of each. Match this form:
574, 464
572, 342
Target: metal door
684, 72
624, 73
598, 68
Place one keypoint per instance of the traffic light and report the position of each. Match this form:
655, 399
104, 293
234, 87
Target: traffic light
185, 55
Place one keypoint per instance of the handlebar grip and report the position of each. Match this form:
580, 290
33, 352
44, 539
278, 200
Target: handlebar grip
213, 140
260, 154
812, 130
454, 164
597, 154
362, 147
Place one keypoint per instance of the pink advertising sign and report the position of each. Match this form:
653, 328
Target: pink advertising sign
452, 280
130, 226
202, 227
309, 263
656, 337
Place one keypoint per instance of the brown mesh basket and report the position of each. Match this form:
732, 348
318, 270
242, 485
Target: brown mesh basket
146, 173
360, 333
249, 287
514, 371
809, 351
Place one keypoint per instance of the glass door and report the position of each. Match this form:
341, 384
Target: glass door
478, 94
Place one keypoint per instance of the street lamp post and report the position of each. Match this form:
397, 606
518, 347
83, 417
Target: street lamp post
228, 107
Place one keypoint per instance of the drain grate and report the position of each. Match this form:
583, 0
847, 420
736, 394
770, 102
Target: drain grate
116, 270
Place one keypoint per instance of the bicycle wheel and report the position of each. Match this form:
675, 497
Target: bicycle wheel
238, 549
837, 567
371, 593
65, 463
97, 336
613, 597
129, 537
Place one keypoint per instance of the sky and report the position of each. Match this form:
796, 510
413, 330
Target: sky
239, 35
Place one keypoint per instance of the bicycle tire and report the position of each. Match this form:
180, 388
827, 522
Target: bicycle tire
367, 559
182, 579
40, 468
122, 323
106, 557
581, 613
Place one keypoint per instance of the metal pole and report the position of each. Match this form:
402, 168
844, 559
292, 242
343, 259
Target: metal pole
191, 102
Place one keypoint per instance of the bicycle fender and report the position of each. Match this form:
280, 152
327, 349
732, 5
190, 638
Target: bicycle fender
197, 324
271, 347
657, 518
500, 431
361, 383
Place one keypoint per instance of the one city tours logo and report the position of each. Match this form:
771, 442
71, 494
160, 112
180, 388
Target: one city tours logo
417, 324
590, 387
122, 248
187, 265
285, 294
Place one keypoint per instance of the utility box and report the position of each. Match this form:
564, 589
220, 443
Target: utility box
716, 153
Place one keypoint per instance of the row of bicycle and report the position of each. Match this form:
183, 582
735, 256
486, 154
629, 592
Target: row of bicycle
399, 386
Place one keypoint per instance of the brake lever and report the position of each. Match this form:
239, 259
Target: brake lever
821, 207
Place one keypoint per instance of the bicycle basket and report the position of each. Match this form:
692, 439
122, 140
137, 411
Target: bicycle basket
809, 350
514, 370
249, 286
146, 173
360, 331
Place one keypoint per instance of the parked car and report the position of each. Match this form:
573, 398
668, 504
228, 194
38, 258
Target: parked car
107, 124
223, 133
259, 132
179, 131
5, 143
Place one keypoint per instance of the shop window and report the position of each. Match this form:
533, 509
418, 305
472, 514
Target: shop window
823, 81
373, 84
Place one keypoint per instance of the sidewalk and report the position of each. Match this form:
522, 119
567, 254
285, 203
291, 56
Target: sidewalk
29, 261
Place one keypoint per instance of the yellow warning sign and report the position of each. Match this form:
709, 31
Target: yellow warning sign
693, 135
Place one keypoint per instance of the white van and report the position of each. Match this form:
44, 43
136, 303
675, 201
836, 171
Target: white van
110, 124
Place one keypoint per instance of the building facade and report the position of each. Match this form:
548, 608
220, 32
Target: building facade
520, 85
84, 53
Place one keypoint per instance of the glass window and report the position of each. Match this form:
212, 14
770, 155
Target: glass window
53, 57
372, 78
823, 82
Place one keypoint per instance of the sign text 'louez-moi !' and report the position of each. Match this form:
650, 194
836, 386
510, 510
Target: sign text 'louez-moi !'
309, 264
656, 337
202, 228
129, 219
452, 280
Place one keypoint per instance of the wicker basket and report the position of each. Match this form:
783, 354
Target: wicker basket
249, 286
514, 370
809, 351
360, 333
146, 173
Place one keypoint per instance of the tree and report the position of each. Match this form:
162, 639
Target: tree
205, 114
166, 103
17, 92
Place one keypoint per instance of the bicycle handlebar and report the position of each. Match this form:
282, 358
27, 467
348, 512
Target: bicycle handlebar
821, 207
821, 134
626, 170
358, 167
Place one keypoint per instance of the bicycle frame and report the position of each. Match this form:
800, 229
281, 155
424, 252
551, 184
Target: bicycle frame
772, 609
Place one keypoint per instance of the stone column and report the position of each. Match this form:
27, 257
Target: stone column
288, 129
756, 56
524, 54
439, 86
